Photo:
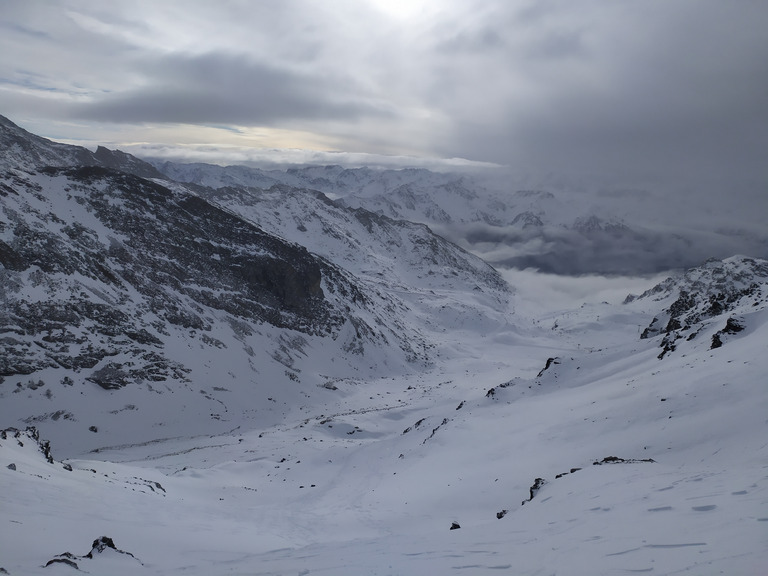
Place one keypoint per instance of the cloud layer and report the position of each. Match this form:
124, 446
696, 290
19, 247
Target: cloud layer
639, 90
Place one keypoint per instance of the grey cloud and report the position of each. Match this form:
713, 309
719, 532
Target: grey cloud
24, 30
229, 89
473, 41
614, 251
631, 88
644, 92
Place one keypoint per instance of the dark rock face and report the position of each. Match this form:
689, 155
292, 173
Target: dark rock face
732, 326
534, 489
28, 151
99, 546
65, 558
703, 294
537, 484
550, 362
181, 254
617, 460
31, 434
527, 220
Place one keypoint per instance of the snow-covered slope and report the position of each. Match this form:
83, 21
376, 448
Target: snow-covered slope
423, 270
148, 299
257, 380
604, 460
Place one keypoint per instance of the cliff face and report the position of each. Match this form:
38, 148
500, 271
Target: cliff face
76, 234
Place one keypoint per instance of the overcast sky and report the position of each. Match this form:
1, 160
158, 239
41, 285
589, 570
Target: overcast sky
651, 88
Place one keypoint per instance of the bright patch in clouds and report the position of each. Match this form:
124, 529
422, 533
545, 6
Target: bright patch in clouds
633, 89
402, 9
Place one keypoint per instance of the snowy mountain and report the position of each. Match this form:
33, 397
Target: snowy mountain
253, 378
24, 151
110, 279
551, 224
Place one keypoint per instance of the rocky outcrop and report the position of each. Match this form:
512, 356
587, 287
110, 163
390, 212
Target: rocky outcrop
102, 545
31, 434
732, 326
550, 362
704, 294
29, 152
534, 489
178, 253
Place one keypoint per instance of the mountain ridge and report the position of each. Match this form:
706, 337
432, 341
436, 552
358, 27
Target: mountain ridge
518, 222
110, 277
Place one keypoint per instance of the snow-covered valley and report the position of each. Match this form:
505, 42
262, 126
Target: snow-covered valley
574, 431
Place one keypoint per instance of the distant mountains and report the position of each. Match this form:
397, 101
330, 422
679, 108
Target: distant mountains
552, 225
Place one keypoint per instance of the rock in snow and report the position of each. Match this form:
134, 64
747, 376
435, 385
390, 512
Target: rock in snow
100, 546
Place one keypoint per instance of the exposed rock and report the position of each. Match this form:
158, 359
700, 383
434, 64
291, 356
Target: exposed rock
99, 546
110, 377
415, 426
534, 489
454, 526
29, 434
703, 293
65, 558
550, 362
435, 429
571, 471
617, 460
732, 326
527, 220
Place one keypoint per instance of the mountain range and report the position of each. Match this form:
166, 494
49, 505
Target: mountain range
210, 370
552, 224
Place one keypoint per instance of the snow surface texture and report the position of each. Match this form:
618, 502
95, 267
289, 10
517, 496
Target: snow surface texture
555, 437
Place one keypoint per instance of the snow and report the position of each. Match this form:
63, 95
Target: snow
286, 453
335, 486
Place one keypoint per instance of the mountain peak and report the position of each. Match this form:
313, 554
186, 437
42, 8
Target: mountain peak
28, 151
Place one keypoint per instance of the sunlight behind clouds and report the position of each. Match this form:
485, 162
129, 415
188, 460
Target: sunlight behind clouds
653, 90
402, 10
